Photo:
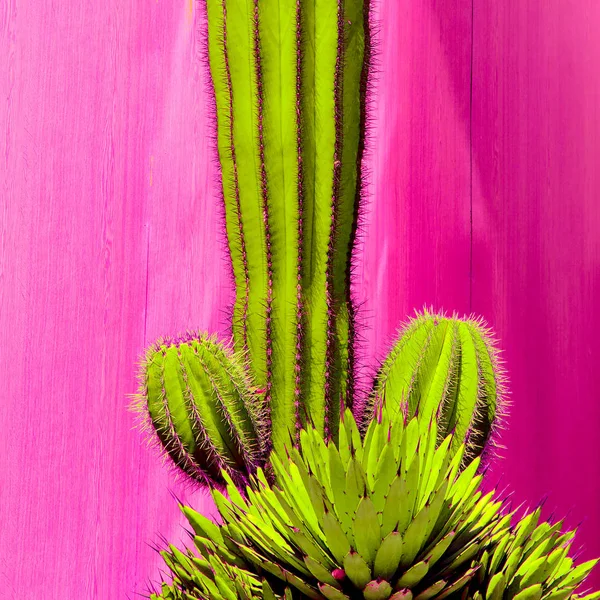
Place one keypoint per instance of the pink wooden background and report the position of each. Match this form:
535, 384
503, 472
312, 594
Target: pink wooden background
485, 196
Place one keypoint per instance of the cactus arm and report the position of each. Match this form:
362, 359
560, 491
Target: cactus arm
241, 50
331, 91
319, 20
447, 370
197, 396
231, 54
223, 93
356, 64
169, 397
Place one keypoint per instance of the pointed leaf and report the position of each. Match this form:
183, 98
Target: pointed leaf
377, 590
533, 592
337, 542
357, 569
367, 533
413, 576
388, 556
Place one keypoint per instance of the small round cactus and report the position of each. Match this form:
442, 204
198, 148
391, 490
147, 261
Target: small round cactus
447, 369
200, 404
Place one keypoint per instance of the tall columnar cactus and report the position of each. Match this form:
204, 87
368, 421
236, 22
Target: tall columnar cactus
289, 81
447, 369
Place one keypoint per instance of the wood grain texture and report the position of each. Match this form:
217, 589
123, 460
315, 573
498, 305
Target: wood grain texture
536, 244
110, 238
485, 196
414, 241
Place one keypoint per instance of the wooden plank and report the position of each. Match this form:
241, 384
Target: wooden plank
107, 227
536, 129
110, 237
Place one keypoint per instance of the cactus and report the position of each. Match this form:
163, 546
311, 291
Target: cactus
387, 517
318, 507
288, 78
201, 405
447, 368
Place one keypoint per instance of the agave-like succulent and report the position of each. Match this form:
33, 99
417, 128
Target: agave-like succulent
531, 561
388, 517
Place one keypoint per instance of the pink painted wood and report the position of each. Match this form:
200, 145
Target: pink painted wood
536, 244
110, 237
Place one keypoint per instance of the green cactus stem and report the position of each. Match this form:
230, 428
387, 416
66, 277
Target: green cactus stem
289, 81
201, 405
447, 368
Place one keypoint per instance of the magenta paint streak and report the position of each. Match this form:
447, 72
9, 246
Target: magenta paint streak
110, 237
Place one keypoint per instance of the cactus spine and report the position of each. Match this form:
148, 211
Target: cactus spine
447, 369
288, 79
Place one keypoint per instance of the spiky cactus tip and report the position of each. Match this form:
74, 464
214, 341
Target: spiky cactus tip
198, 400
447, 369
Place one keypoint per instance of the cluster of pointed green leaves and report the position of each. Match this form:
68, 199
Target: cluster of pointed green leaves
390, 516
531, 562
200, 403
210, 577
445, 369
